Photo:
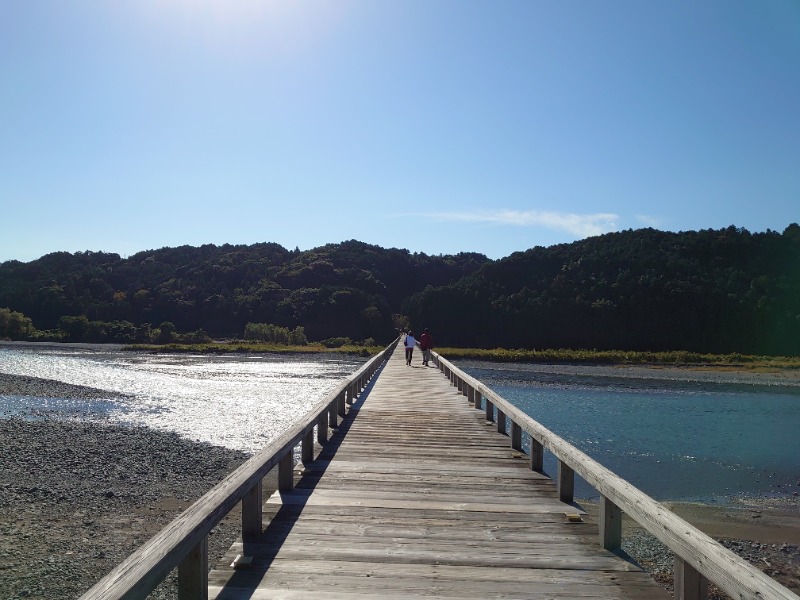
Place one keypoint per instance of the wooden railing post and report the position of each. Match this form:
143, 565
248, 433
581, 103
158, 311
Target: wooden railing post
477, 399
516, 436
322, 427
610, 517
252, 504
566, 482
537, 455
689, 583
489, 411
341, 409
333, 419
193, 573
501, 422
286, 472
307, 447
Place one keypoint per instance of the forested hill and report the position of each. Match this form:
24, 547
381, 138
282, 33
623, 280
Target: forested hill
350, 289
708, 291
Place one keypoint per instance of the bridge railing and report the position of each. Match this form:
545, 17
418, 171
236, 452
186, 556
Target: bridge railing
184, 542
698, 558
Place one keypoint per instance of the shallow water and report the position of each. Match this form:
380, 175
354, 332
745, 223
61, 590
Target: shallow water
673, 440
240, 402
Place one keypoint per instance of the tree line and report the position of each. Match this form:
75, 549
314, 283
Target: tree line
712, 291
720, 291
347, 291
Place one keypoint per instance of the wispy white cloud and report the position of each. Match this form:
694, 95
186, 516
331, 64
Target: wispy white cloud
578, 225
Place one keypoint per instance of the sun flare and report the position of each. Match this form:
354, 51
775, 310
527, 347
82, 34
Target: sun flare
244, 26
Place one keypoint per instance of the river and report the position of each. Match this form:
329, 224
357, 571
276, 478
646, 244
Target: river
674, 440
236, 401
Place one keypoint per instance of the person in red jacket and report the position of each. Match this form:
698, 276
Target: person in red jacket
425, 344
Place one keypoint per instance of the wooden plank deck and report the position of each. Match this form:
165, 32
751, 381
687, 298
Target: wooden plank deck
415, 496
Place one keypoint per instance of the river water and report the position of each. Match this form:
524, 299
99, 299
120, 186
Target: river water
674, 440
239, 402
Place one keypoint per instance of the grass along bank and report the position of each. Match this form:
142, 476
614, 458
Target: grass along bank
623, 357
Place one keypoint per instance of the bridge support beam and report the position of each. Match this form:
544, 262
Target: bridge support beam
333, 419
566, 482
537, 456
689, 583
501, 422
516, 437
610, 525
252, 504
307, 447
193, 573
286, 472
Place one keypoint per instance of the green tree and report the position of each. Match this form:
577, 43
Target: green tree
15, 325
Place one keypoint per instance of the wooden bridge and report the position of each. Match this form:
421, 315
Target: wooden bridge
423, 491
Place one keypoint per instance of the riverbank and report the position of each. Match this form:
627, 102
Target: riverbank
77, 498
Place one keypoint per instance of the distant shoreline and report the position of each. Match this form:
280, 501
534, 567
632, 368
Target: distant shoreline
785, 377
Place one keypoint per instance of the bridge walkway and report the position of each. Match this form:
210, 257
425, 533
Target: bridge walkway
416, 497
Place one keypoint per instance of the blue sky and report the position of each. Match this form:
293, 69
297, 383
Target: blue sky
434, 125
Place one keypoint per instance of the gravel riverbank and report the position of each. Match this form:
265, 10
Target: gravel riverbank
77, 498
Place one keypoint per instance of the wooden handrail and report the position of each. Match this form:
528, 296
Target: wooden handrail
699, 558
182, 543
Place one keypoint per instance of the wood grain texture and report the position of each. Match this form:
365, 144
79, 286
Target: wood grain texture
415, 497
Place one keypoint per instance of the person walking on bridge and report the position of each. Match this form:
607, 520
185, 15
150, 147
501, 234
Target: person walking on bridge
425, 344
409, 343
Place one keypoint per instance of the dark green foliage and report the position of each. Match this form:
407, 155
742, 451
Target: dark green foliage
712, 291
349, 289
717, 291
265, 332
15, 325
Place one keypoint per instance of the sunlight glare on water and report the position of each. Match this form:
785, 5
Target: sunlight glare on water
240, 402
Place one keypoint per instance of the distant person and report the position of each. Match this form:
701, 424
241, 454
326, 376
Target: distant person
409, 343
426, 345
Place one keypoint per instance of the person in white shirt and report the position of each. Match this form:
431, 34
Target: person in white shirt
409, 344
